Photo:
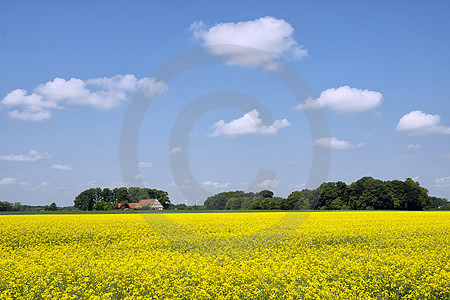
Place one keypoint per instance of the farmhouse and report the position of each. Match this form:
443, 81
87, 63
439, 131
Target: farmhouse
151, 203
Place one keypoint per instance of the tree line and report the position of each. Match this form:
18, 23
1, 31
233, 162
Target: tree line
17, 206
7, 206
366, 193
107, 199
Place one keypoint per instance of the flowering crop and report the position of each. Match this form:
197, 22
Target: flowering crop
264, 255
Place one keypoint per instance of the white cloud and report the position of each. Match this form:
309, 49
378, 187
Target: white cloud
298, 186
33, 155
90, 183
145, 164
411, 146
100, 93
420, 123
33, 107
336, 144
139, 177
219, 185
288, 163
344, 99
250, 123
415, 178
268, 183
43, 184
175, 150
62, 167
7, 181
28, 115
150, 87
268, 34
442, 183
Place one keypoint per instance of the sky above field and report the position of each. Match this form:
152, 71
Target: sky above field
199, 97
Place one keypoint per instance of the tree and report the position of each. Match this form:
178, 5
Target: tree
233, 204
5, 206
103, 205
270, 203
86, 199
136, 194
436, 202
106, 195
122, 195
17, 206
417, 196
264, 194
51, 207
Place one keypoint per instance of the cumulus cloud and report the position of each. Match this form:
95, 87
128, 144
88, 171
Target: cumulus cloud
268, 34
336, 144
344, 99
175, 150
31, 107
250, 123
219, 185
150, 86
420, 123
8, 181
33, 155
99, 93
145, 164
268, 183
62, 167
442, 183
411, 146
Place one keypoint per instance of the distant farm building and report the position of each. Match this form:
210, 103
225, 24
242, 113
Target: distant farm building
153, 204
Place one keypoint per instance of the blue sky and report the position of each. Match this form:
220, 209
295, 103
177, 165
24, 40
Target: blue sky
378, 71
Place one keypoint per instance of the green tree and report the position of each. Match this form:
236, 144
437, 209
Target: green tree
219, 201
436, 202
264, 194
17, 206
51, 207
234, 204
5, 206
103, 205
136, 194
86, 199
106, 195
122, 195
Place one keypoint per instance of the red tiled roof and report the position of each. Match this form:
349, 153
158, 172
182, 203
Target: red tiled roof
143, 202
146, 202
133, 205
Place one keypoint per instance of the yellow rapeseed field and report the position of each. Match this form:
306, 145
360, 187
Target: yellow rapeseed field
265, 255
